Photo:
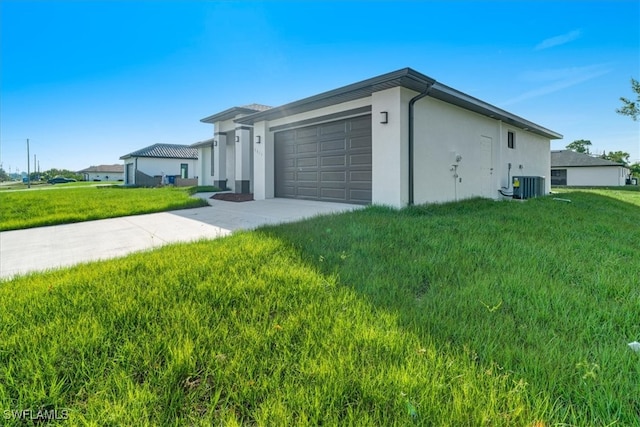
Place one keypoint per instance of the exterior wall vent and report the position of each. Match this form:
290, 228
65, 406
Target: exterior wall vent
527, 187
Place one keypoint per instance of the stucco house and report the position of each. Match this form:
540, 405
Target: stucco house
103, 173
397, 139
149, 166
578, 169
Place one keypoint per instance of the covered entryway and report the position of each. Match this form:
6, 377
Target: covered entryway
328, 161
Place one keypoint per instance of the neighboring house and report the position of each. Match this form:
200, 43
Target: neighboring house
172, 163
103, 173
396, 139
577, 169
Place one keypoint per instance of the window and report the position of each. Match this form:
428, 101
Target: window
184, 170
511, 140
558, 177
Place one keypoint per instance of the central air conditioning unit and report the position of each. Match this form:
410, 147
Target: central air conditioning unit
526, 187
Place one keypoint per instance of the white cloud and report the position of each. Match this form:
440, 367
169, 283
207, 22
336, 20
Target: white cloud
558, 40
558, 79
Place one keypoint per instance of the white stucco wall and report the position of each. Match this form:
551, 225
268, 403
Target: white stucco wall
596, 176
532, 152
389, 143
155, 166
445, 133
204, 166
263, 162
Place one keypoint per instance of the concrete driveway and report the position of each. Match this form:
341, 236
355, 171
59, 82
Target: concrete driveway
38, 249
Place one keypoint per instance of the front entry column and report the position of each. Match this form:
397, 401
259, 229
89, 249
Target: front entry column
243, 160
220, 160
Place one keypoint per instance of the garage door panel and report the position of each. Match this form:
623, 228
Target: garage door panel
286, 136
330, 128
360, 196
332, 161
361, 142
288, 175
360, 159
311, 147
338, 176
360, 123
307, 191
306, 133
304, 162
307, 177
289, 163
360, 177
333, 193
333, 145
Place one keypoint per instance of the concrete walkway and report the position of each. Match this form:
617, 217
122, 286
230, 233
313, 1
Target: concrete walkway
38, 249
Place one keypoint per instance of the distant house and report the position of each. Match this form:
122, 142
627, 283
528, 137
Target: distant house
577, 169
103, 173
161, 164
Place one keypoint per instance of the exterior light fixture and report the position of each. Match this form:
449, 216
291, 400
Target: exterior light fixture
258, 139
237, 138
215, 142
385, 117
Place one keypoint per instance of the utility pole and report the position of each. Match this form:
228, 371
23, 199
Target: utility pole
28, 166
35, 163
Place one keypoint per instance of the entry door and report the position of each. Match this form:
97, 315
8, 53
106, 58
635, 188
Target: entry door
129, 173
486, 165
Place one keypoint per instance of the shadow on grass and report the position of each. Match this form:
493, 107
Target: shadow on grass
545, 289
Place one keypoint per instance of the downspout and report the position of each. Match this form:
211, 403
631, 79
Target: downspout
411, 108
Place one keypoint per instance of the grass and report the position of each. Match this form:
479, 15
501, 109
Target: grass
474, 313
35, 208
629, 193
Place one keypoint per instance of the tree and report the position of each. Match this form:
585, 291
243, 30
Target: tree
631, 108
580, 146
3, 175
616, 156
635, 169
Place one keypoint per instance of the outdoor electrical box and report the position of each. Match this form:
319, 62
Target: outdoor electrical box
527, 187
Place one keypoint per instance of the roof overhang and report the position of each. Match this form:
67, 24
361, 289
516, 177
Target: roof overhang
228, 114
407, 78
205, 143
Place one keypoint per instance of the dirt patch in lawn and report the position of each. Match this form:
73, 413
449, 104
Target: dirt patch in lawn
233, 197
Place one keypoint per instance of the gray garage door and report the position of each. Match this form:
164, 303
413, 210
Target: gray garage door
329, 161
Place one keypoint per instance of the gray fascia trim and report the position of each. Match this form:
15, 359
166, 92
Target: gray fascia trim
405, 77
589, 166
244, 127
366, 110
205, 143
227, 114
409, 79
220, 133
455, 97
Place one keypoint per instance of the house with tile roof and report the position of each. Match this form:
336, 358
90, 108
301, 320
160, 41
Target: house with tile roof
103, 173
160, 164
578, 169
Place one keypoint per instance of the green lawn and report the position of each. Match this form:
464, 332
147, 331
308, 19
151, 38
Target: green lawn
75, 202
464, 314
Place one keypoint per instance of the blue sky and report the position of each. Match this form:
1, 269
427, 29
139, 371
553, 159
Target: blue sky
88, 81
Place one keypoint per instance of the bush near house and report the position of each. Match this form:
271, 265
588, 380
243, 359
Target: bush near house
472, 313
